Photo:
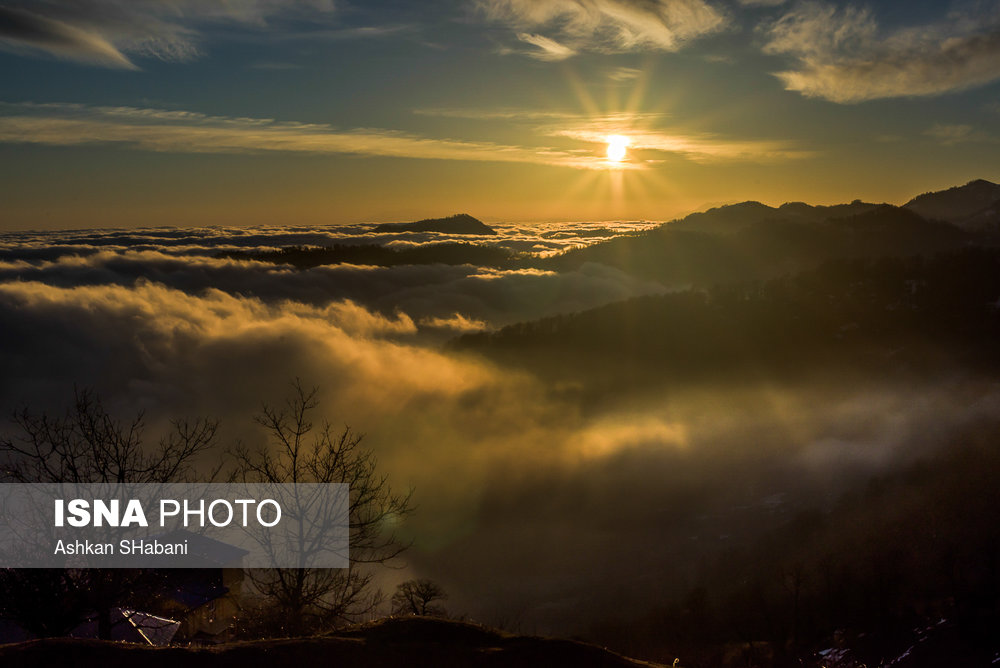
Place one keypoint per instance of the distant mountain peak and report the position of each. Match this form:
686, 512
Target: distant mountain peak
460, 223
750, 204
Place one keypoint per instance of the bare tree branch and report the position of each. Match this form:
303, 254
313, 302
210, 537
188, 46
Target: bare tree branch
301, 451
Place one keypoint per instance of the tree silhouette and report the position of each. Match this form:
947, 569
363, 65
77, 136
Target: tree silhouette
301, 452
416, 597
89, 445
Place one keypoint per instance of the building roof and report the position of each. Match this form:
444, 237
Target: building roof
132, 626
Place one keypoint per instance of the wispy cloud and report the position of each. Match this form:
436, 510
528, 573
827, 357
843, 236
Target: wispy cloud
108, 32
24, 32
624, 74
608, 26
495, 113
274, 66
844, 57
548, 49
191, 132
178, 131
949, 135
339, 34
456, 323
699, 147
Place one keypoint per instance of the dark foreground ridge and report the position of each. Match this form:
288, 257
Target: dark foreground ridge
461, 223
407, 641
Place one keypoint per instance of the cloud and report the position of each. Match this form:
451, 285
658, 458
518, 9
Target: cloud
457, 323
624, 74
178, 131
173, 353
356, 32
165, 337
623, 432
540, 238
949, 135
190, 132
23, 31
697, 146
102, 32
494, 113
719, 58
274, 66
548, 49
607, 26
844, 57
646, 132
440, 298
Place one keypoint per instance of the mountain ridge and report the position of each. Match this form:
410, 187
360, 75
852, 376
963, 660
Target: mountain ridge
958, 203
460, 223
753, 241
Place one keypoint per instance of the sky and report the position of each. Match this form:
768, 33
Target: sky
311, 112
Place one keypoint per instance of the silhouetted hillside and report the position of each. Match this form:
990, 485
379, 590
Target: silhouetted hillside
461, 223
890, 230
734, 217
727, 218
904, 570
957, 204
751, 241
819, 213
986, 220
403, 642
867, 315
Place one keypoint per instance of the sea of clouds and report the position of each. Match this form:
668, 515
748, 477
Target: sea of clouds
530, 494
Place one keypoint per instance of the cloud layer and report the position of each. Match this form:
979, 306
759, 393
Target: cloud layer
433, 300
530, 497
531, 494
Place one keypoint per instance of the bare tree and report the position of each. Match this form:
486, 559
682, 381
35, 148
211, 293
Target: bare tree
89, 445
302, 452
417, 597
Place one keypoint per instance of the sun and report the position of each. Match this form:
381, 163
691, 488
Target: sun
617, 147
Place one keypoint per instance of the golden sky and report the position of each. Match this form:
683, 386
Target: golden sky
312, 112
